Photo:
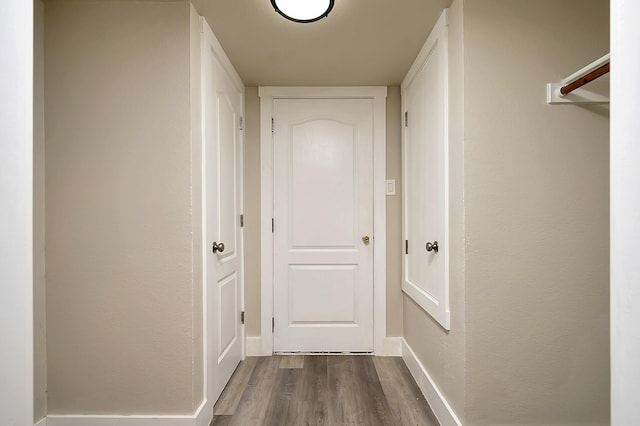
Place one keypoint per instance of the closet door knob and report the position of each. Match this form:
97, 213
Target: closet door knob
218, 247
432, 246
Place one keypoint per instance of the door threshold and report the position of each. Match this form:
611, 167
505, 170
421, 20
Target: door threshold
325, 353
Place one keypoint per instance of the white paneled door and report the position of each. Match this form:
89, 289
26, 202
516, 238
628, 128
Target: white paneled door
425, 167
323, 224
222, 107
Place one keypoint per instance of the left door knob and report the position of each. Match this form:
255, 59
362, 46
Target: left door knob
432, 246
218, 247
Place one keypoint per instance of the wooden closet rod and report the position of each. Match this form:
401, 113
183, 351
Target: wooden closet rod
597, 73
562, 92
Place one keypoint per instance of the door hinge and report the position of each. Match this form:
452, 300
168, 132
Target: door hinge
242, 317
273, 125
241, 221
273, 325
406, 246
406, 119
273, 225
241, 123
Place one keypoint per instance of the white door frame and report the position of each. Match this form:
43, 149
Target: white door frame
16, 224
381, 344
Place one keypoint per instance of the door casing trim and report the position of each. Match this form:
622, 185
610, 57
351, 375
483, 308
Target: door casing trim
381, 346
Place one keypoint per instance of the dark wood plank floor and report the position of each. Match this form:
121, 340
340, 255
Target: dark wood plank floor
322, 390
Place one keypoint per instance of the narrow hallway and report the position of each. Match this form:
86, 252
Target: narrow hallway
322, 390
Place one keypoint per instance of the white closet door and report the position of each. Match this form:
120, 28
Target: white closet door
425, 160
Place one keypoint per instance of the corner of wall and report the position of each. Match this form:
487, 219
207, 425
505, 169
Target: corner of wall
39, 276
196, 205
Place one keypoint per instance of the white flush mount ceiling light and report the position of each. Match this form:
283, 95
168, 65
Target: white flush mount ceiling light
303, 11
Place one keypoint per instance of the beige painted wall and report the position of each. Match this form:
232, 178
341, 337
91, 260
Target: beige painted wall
537, 221
252, 213
252, 238
39, 290
443, 352
120, 252
197, 262
394, 213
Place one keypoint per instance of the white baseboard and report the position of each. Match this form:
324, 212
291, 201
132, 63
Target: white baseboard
41, 422
390, 346
254, 347
202, 417
204, 413
441, 408
78, 420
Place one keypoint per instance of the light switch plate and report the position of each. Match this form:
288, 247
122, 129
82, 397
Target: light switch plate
391, 187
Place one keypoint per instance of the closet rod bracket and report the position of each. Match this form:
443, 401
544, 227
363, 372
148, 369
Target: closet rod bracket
572, 85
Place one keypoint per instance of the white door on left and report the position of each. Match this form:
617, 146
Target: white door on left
222, 107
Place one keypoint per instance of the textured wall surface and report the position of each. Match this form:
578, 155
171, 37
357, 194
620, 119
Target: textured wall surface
252, 238
196, 207
394, 214
39, 288
537, 216
119, 208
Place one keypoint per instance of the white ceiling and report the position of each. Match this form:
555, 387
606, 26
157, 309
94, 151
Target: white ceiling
361, 42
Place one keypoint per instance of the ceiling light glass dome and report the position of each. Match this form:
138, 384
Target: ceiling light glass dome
303, 10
